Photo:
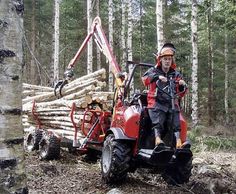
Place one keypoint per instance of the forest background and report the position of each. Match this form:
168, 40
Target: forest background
216, 47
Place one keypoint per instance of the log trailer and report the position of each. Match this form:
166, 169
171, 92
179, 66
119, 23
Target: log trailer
122, 135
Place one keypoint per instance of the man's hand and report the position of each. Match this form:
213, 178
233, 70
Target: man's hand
182, 82
162, 78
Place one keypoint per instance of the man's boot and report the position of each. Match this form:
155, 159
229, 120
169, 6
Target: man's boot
158, 140
178, 140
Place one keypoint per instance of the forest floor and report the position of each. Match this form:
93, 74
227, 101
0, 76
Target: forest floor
212, 173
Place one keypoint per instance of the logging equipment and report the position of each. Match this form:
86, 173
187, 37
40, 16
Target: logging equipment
123, 134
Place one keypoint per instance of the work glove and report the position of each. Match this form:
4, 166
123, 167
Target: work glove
182, 82
162, 78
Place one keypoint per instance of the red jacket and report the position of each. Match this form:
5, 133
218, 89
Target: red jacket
157, 98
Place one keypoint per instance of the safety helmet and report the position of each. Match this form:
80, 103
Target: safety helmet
168, 49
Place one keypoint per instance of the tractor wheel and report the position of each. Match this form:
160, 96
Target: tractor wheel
32, 139
178, 173
49, 147
115, 160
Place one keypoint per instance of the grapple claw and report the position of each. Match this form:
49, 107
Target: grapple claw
68, 75
58, 87
62, 85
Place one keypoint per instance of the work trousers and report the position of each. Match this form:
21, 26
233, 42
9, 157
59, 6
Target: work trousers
160, 117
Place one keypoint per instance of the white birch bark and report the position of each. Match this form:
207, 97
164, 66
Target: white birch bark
194, 37
97, 48
110, 26
56, 42
123, 42
32, 69
129, 42
141, 30
159, 24
226, 98
90, 43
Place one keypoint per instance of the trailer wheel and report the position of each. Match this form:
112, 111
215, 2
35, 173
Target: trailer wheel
178, 174
49, 147
32, 139
115, 160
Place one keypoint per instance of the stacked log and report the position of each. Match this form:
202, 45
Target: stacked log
42, 108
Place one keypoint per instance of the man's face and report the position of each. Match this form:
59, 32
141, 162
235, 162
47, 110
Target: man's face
166, 61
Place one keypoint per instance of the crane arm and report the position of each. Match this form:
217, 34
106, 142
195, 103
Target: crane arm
100, 39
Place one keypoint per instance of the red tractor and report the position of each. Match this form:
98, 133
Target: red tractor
129, 141
124, 134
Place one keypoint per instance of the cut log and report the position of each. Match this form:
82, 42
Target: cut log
30, 93
64, 132
99, 75
54, 114
36, 87
66, 91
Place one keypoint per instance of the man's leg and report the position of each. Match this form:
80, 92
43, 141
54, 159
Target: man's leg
158, 118
176, 125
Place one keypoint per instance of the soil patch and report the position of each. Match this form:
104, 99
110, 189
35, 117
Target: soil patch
212, 173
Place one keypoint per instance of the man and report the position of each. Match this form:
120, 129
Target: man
159, 103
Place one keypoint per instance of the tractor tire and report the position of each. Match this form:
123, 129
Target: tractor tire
32, 139
49, 147
178, 173
115, 160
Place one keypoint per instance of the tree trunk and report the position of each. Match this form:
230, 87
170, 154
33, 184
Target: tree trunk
210, 66
129, 42
56, 42
110, 23
194, 64
123, 42
11, 61
141, 30
33, 69
226, 99
90, 43
97, 48
159, 24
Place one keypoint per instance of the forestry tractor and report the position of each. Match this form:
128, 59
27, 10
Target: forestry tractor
123, 135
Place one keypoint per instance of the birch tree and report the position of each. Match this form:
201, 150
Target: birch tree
13, 177
226, 98
33, 69
129, 42
90, 43
159, 24
140, 29
194, 64
56, 42
123, 42
110, 26
97, 48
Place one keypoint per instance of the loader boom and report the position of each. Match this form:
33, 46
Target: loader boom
99, 37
